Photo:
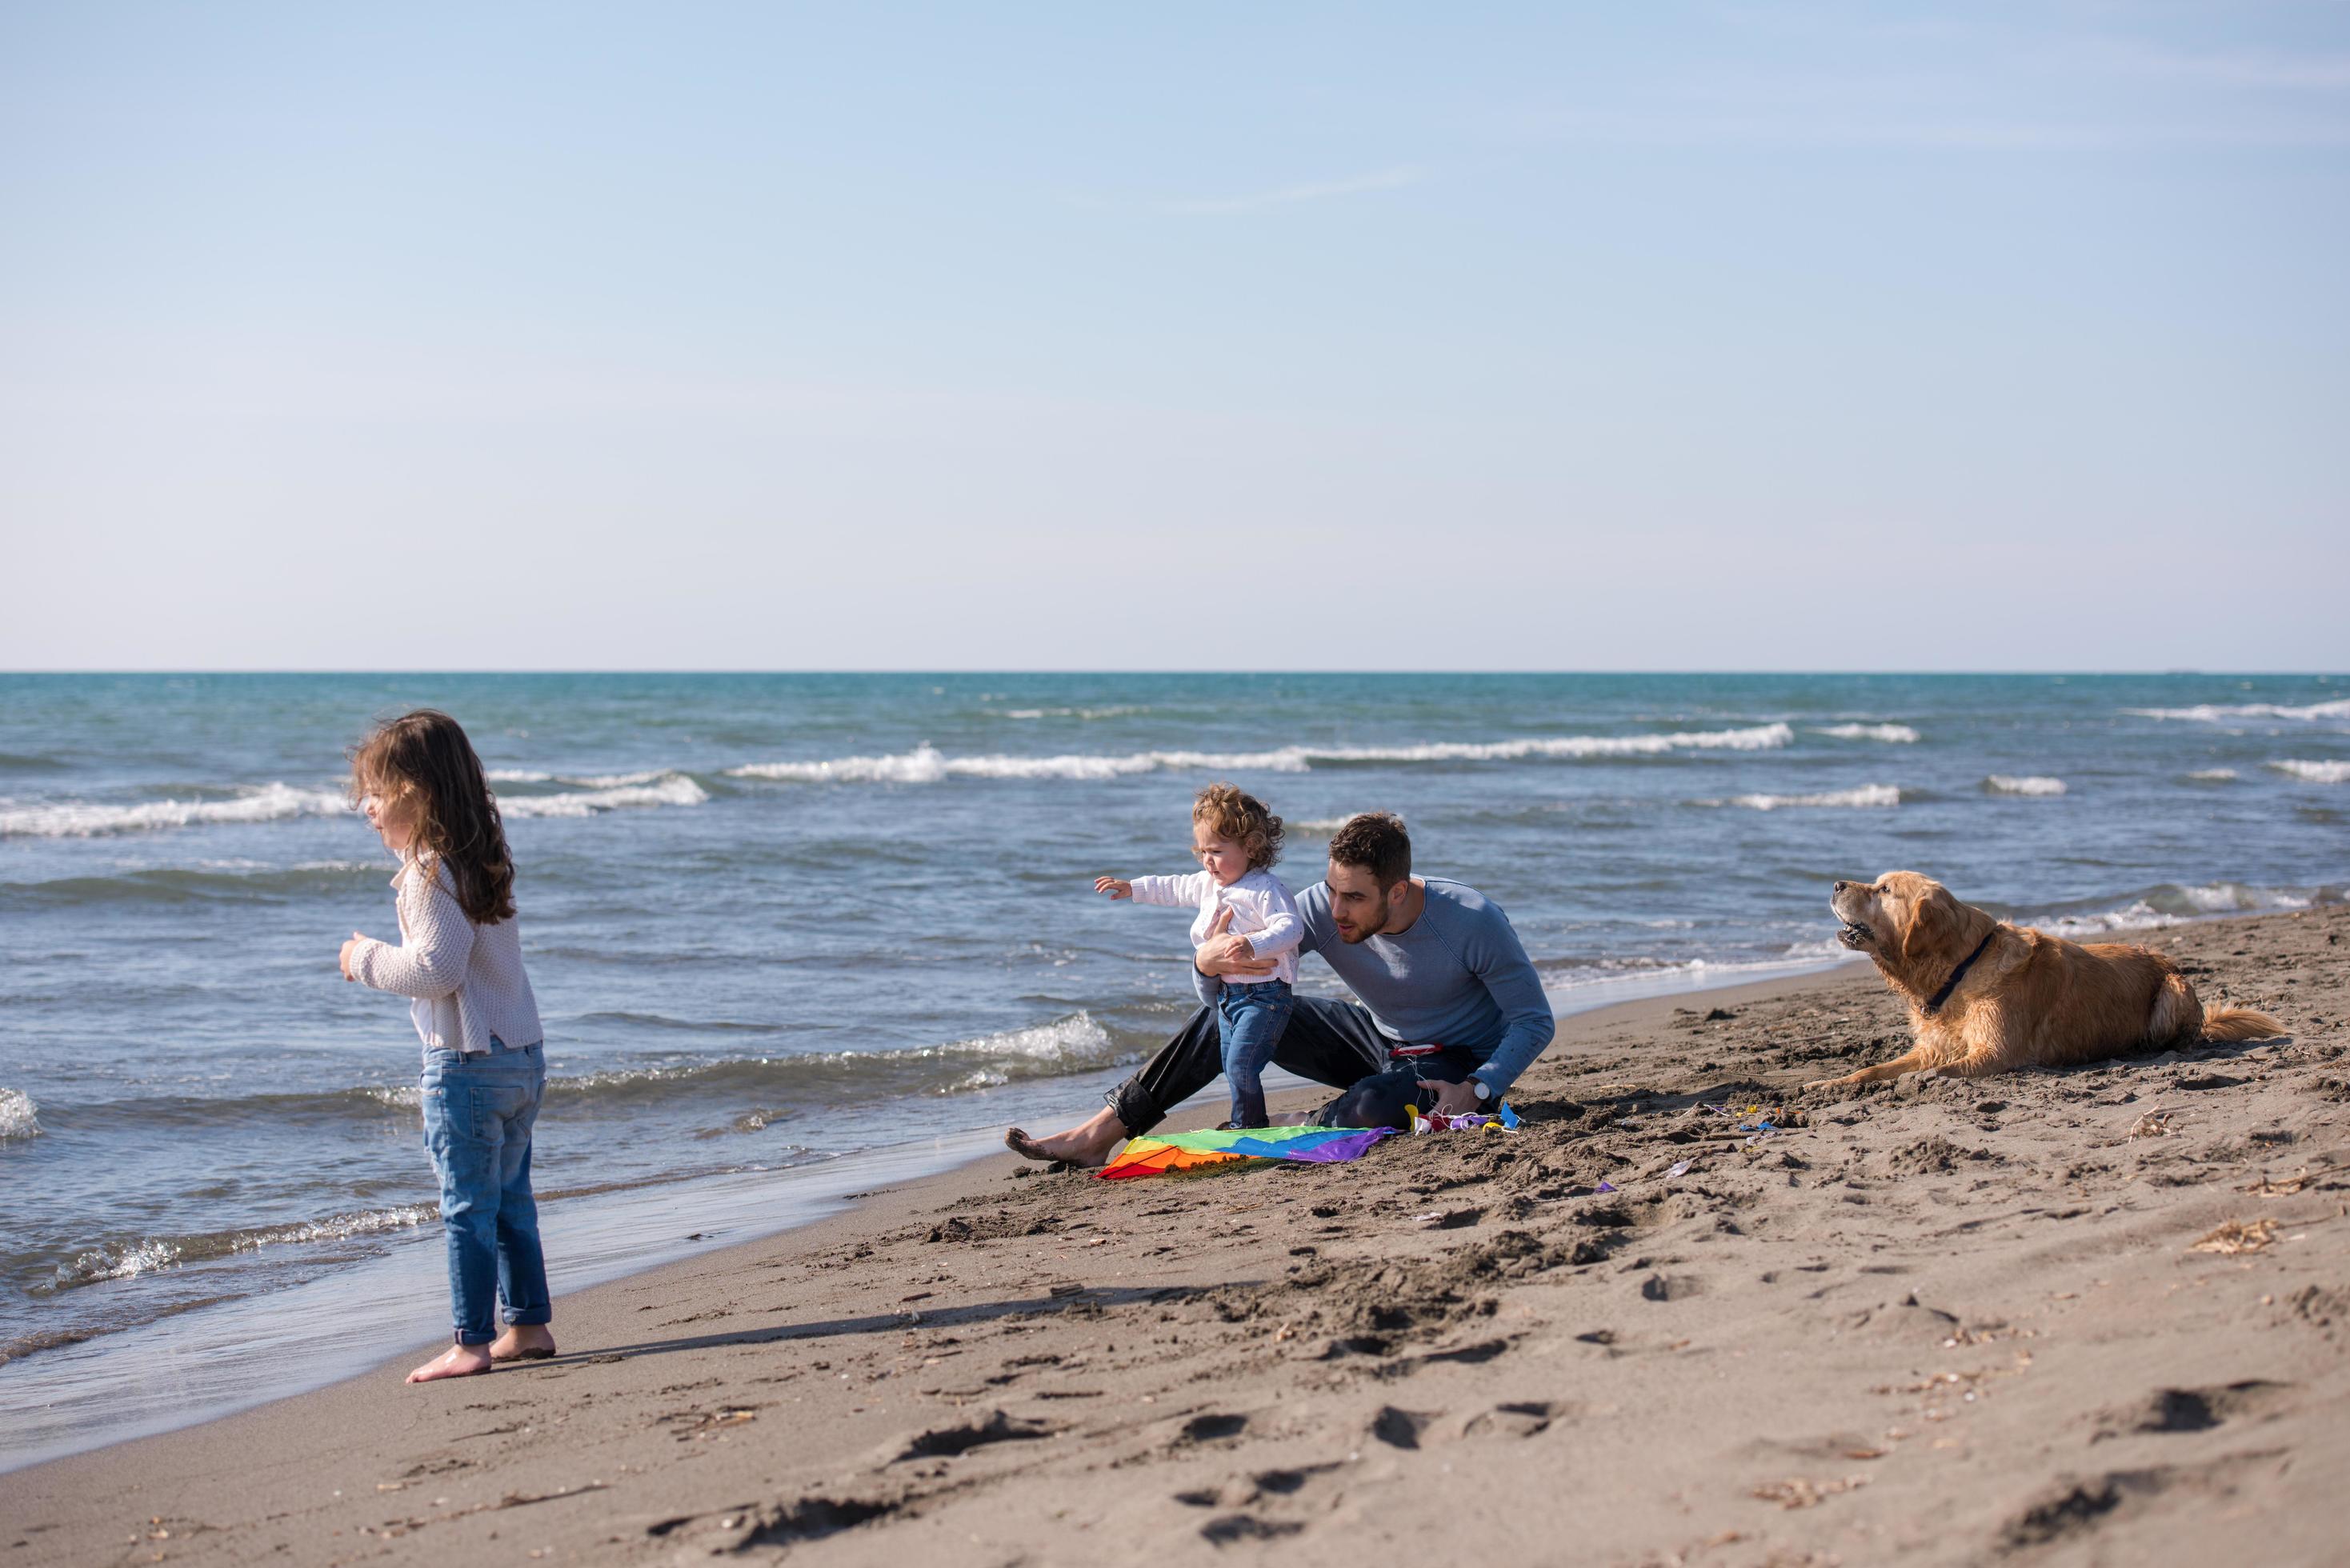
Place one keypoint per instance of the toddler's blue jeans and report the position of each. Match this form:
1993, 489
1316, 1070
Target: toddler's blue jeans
1249, 1023
478, 1113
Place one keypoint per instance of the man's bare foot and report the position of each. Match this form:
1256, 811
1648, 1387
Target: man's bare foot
1087, 1144
457, 1361
523, 1342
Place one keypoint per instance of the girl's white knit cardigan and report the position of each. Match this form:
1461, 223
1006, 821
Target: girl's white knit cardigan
467, 980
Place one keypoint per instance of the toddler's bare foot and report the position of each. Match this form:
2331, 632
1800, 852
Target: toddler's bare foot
523, 1342
457, 1361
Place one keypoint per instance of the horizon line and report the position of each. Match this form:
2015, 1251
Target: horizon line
1118, 671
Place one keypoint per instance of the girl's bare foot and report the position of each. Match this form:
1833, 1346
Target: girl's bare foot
523, 1342
457, 1361
1087, 1144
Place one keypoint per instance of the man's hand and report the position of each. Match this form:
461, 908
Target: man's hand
1229, 955
1453, 1099
1114, 887
344, 961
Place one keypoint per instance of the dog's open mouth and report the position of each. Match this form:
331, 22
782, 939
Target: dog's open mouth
1853, 934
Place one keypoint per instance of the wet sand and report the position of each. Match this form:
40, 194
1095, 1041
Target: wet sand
2091, 1317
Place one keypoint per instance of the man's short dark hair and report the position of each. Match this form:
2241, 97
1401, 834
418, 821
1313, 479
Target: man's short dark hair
1375, 841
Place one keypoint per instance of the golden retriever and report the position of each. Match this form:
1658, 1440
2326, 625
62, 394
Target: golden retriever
1985, 997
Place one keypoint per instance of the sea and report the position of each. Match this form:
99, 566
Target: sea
797, 936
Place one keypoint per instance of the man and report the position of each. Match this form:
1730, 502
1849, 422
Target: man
1451, 1009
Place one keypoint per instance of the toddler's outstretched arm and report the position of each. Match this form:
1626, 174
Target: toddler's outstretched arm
1180, 892
1114, 887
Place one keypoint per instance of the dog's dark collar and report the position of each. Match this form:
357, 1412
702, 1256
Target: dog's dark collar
1957, 974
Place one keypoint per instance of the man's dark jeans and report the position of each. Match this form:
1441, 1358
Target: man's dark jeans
1333, 1043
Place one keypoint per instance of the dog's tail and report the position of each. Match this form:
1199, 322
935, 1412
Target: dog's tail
2234, 1023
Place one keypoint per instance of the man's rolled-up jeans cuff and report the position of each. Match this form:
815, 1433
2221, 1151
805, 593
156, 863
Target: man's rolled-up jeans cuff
1133, 1108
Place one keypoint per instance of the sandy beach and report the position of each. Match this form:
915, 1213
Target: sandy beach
2094, 1316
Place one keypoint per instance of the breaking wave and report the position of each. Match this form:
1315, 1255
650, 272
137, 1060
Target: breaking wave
2024, 783
2173, 903
128, 1260
614, 792
1867, 797
1073, 1044
19, 1116
2314, 772
2214, 775
87, 819
282, 802
927, 765
587, 780
1072, 712
1892, 734
2220, 713
1578, 973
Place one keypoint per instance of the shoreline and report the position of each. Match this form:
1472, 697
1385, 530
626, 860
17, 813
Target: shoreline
1943, 1319
399, 1293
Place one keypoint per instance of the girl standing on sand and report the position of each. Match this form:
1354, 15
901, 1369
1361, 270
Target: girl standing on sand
460, 962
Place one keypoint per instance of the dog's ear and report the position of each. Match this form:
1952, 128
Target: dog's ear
1934, 922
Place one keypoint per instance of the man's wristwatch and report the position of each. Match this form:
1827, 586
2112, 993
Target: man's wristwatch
1484, 1090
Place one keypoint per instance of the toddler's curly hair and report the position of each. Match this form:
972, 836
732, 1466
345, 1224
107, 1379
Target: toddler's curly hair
1243, 819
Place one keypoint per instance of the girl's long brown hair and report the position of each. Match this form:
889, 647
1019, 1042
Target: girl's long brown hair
422, 764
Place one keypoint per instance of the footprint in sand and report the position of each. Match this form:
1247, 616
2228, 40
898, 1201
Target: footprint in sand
1399, 1428
1519, 1418
2191, 1409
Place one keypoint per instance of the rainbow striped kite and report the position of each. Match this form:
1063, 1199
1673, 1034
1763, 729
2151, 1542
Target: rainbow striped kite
1202, 1150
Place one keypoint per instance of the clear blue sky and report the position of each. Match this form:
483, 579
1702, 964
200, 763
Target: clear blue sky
747, 336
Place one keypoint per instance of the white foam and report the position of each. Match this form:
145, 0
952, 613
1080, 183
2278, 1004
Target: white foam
673, 789
85, 819
1665, 977
2315, 773
1072, 712
1756, 738
1065, 1042
590, 780
2240, 897
1076, 1038
1316, 828
2024, 783
2214, 775
927, 765
2136, 916
338, 1226
1867, 797
18, 1115
1892, 734
2202, 902
128, 1264
2218, 713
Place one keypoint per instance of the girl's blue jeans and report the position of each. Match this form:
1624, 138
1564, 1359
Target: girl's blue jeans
1249, 1023
478, 1113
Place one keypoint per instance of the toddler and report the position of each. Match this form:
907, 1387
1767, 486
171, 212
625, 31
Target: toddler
1236, 839
459, 962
